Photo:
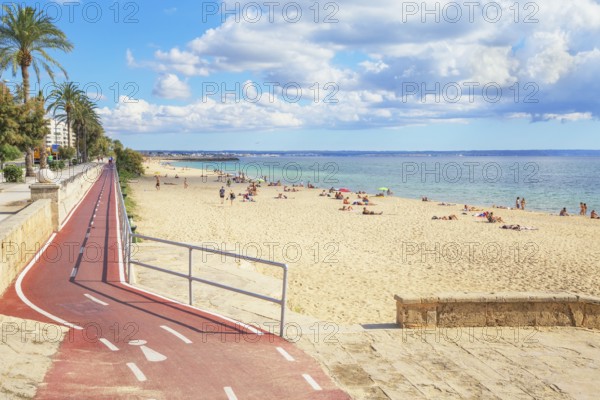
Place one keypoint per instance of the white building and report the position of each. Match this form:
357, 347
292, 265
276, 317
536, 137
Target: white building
59, 134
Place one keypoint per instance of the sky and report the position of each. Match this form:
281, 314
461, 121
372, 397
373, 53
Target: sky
327, 75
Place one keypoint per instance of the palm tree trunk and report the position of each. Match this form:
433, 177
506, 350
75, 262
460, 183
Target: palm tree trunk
68, 130
29, 171
43, 155
29, 155
85, 149
25, 74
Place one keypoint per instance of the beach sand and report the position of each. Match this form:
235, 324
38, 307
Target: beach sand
26, 351
346, 267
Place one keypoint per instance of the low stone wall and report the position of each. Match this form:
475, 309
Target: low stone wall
21, 236
498, 309
66, 194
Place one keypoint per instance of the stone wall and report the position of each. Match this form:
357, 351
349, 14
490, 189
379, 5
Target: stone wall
498, 309
66, 194
21, 236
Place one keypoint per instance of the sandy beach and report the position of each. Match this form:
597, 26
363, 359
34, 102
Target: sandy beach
345, 267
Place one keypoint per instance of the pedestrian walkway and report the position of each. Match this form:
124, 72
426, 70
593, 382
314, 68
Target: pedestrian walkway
15, 196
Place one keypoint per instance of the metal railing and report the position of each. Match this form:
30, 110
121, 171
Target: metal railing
127, 236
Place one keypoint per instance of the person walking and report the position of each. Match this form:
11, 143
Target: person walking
523, 204
231, 197
517, 203
222, 194
157, 185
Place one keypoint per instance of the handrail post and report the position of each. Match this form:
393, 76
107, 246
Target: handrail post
190, 281
283, 300
129, 242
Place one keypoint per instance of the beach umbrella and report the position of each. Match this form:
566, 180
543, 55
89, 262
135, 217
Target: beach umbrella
260, 180
383, 189
344, 190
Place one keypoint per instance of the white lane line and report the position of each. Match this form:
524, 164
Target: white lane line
108, 344
74, 272
81, 250
137, 372
311, 382
152, 355
92, 298
24, 299
229, 393
77, 205
285, 354
176, 334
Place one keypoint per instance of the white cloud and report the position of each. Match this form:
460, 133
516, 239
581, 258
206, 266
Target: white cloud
374, 50
169, 86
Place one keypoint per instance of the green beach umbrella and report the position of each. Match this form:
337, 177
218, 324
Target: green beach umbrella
383, 189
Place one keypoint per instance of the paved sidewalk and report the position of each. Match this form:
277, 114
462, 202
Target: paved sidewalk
15, 196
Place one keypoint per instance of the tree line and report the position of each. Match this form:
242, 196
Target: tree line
26, 37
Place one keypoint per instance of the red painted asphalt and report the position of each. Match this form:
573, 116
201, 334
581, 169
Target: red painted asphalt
137, 345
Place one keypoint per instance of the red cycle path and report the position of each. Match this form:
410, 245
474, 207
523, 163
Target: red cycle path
131, 344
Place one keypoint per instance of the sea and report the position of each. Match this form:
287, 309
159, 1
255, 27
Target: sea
548, 179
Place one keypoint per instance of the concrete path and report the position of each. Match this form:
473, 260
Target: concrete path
15, 196
126, 343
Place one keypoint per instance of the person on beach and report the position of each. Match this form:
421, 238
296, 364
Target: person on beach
517, 203
448, 218
185, 184
367, 212
222, 194
492, 219
563, 212
593, 215
581, 208
157, 185
584, 208
523, 204
231, 197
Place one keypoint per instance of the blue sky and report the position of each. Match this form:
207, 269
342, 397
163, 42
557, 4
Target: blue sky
353, 75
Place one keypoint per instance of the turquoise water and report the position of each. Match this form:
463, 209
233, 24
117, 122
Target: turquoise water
547, 183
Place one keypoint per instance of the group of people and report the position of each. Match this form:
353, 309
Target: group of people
231, 195
582, 211
157, 182
520, 203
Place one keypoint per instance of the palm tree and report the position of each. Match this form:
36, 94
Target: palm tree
25, 37
85, 120
63, 98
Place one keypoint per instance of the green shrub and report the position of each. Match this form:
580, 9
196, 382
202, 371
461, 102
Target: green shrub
53, 165
61, 164
12, 173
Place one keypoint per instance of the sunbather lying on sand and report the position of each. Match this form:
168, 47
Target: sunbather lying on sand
448, 218
519, 228
367, 212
